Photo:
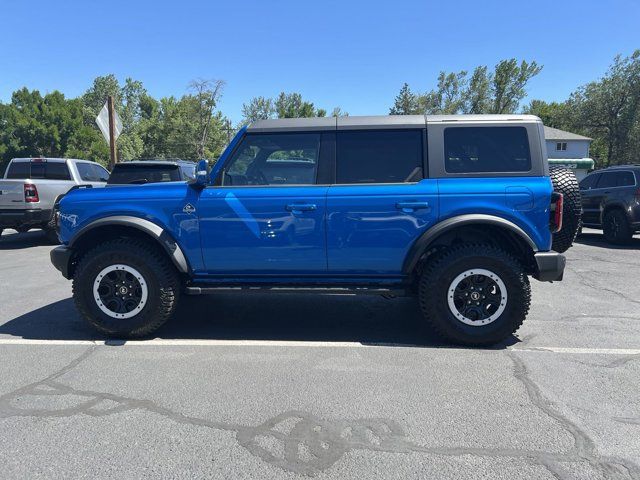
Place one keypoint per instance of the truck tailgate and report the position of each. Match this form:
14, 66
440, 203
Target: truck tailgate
12, 194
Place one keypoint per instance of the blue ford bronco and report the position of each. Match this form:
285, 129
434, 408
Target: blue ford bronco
457, 210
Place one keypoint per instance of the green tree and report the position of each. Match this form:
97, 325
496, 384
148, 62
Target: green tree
258, 108
552, 114
406, 102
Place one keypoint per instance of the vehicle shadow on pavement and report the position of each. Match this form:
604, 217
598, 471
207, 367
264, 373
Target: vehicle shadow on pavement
11, 240
597, 240
257, 316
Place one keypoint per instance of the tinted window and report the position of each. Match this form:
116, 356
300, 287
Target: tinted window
37, 169
19, 170
188, 171
56, 171
274, 159
608, 179
379, 156
626, 179
135, 173
486, 149
589, 182
90, 172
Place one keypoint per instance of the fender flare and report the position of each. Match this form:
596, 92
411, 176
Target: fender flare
423, 242
152, 229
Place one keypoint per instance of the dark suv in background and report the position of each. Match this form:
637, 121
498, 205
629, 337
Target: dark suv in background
611, 202
152, 171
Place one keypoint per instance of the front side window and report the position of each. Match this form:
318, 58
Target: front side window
274, 159
486, 150
626, 179
90, 172
379, 156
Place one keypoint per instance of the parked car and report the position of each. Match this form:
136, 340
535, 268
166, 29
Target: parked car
31, 187
152, 171
456, 210
611, 202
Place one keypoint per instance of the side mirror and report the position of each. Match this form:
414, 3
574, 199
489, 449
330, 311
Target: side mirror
202, 174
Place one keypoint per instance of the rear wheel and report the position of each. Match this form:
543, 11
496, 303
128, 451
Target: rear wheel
616, 227
565, 182
125, 288
474, 295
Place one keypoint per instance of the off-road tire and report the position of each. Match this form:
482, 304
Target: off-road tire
439, 274
565, 182
162, 281
616, 228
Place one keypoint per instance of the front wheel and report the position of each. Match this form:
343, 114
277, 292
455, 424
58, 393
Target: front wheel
125, 288
474, 295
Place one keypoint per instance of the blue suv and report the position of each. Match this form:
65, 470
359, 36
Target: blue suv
457, 210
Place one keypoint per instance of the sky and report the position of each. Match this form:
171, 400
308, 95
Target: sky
352, 54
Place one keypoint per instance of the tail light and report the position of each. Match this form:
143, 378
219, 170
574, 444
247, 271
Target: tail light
557, 203
31, 193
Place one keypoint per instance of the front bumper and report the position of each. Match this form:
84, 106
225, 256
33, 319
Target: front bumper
550, 266
10, 218
61, 259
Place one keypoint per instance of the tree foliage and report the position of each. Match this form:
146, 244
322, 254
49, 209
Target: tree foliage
499, 91
285, 105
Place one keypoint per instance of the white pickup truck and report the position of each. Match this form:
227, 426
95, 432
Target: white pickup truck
31, 187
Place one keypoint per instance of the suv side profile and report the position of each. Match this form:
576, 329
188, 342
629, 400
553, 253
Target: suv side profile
456, 210
611, 202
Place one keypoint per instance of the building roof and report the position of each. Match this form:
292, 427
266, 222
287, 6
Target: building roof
557, 134
373, 122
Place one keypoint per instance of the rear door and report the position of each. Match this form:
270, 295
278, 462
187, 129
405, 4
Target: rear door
380, 202
605, 188
590, 209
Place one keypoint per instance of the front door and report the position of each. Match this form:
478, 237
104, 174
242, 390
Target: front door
267, 217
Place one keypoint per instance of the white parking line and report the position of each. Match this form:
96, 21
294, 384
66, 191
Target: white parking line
160, 342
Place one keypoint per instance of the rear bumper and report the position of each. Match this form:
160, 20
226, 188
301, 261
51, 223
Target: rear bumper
61, 259
550, 266
21, 217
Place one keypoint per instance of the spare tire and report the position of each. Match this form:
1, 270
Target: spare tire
565, 182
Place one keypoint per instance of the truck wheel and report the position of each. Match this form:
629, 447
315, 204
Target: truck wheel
565, 182
616, 227
51, 235
125, 288
474, 294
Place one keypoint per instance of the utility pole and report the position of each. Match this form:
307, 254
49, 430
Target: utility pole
112, 133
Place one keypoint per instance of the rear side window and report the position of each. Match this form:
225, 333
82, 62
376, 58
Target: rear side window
486, 150
19, 170
92, 172
608, 179
589, 182
56, 171
379, 156
123, 174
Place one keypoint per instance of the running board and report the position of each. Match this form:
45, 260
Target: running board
346, 290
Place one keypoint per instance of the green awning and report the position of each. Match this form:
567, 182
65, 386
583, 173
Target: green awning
581, 163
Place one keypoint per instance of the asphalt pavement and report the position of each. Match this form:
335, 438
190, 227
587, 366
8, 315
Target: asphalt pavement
325, 386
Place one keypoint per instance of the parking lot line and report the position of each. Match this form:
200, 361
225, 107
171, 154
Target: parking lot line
160, 342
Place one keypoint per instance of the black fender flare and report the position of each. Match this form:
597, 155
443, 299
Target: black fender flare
152, 229
423, 242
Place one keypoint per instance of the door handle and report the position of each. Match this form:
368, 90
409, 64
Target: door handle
301, 207
411, 206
